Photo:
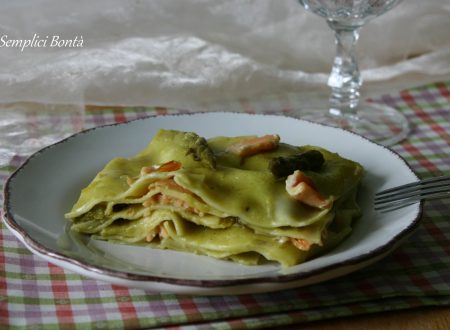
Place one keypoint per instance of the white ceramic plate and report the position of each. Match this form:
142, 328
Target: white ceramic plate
39, 193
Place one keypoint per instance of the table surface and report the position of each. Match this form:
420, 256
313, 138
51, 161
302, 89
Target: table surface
415, 277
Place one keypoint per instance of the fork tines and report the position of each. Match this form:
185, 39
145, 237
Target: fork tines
397, 197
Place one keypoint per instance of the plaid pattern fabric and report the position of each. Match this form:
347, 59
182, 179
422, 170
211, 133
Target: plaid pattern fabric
37, 294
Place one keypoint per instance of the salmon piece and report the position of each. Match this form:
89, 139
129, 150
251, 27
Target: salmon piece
303, 244
300, 243
172, 185
166, 167
301, 188
169, 200
162, 198
254, 145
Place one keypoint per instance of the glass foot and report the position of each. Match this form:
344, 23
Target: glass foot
379, 123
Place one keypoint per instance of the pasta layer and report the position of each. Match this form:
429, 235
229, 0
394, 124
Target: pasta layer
218, 197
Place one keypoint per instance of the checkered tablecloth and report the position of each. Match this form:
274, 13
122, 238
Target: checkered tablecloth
37, 294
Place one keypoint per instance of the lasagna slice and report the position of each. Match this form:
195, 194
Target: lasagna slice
247, 199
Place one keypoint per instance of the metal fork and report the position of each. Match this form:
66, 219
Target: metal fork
404, 195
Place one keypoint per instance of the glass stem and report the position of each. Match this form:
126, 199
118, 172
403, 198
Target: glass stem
345, 78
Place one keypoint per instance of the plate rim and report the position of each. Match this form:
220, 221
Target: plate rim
39, 249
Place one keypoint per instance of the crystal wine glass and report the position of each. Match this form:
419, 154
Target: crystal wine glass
379, 123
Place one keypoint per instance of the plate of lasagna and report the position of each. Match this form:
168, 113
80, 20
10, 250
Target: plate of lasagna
210, 203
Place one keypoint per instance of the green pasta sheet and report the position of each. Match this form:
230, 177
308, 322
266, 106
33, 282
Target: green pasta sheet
219, 204
236, 242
